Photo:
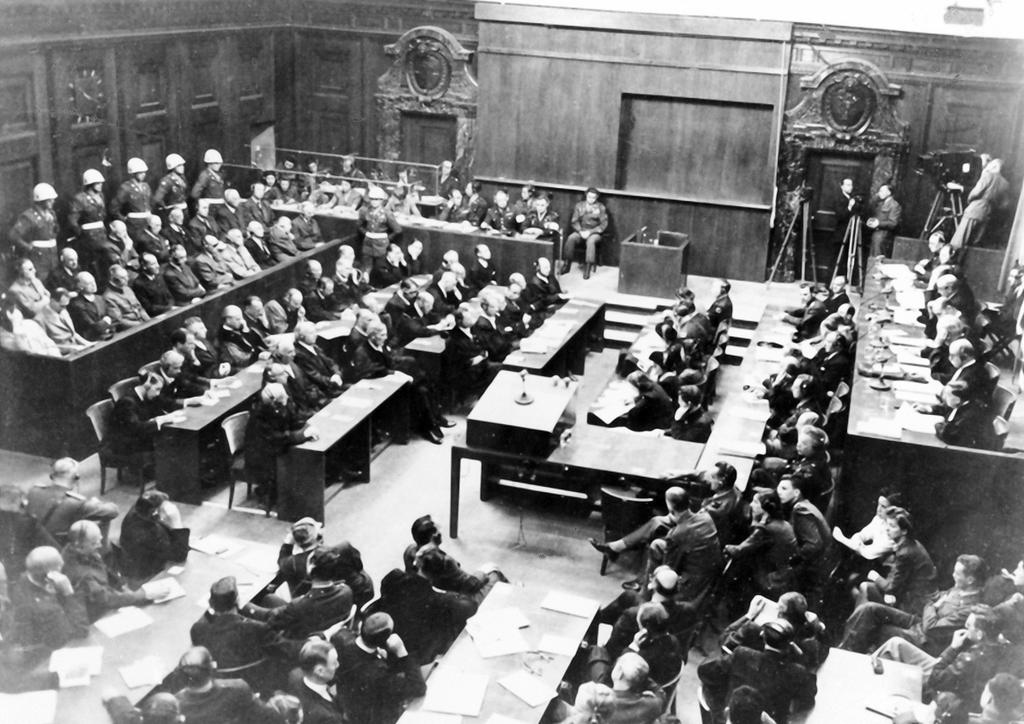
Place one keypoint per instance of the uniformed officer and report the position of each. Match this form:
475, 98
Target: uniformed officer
721, 309
172, 191
132, 201
589, 221
499, 216
88, 211
210, 184
34, 234
378, 227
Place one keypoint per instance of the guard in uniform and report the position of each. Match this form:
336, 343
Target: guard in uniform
172, 191
132, 202
88, 211
378, 227
210, 184
34, 234
589, 221
500, 217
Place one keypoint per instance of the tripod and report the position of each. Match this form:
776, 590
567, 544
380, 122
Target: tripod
852, 246
802, 214
948, 205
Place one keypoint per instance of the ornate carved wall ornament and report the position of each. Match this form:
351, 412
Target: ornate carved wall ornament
430, 75
847, 107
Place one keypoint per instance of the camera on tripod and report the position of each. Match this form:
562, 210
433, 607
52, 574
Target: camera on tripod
947, 166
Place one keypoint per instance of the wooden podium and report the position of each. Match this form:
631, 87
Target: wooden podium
654, 268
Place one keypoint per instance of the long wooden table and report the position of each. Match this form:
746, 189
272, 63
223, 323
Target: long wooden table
573, 325
546, 668
847, 686
302, 471
980, 491
180, 446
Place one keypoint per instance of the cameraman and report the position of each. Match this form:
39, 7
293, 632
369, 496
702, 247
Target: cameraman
883, 222
987, 196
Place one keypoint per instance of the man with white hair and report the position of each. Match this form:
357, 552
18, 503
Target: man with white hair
307, 397
306, 229
174, 230
210, 267
350, 286
256, 207
284, 314
151, 289
121, 299
239, 345
46, 611
181, 280
230, 214
496, 338
320, 369
100, 587
255, 242
93, 319
237, 258
465, 359
151, 241
281, 241
954, 294
120, 250
543, 292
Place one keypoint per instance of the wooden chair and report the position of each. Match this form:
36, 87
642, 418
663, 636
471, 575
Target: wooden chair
234, 433
153, 366
671, 687
622, 512
122, 387
99, 415
1003, 401
711, 380
1001, 428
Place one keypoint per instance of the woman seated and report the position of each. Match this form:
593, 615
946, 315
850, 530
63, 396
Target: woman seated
273, 427
652, 407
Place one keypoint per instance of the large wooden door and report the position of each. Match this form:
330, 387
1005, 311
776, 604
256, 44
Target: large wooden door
825, 174
428, 138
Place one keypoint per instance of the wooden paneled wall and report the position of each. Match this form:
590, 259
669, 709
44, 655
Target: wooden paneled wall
553, 85
956, 91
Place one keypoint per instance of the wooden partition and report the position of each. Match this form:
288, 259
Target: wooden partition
573, 98
45, 398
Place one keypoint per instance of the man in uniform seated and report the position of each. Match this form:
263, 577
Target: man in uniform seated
59, 504
47, 614
589, 222
328, 602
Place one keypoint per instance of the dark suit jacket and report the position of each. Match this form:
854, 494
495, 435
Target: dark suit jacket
183, 284
149, 243
494, 339
969, 425
480, 276
386, 274
541, 294
319, 368
175, 237
261, 254
694, 552
197, 228
131, 428
314, 611
444, 302
153, 294
458, 352
307, 233
652, 411
410, 325
780, 680
88, 317
257, 210
694, 426
910, 577
374, 690
316, 709
365, 362
228, 218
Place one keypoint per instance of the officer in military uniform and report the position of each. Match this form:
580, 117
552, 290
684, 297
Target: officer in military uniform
524, 204
132, 202
541, 222
499, 216
476, 204
721, 309
34, 234
589, 221
88, 211
349, 171
378, 227
172, 191
210, 184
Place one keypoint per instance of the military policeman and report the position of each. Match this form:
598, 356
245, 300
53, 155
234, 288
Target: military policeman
378, 227
132, 201
172, 191
210, 184
88, 211
34, 234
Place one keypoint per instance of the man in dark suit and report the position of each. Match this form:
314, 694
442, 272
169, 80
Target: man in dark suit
151, 241
659, 648
418, 320
883, 222
320, 304
174, 231
209, 700
350, 285
257, 246
306, 229
969, 420
199, 227
328, 601
543, 292
136, 421
482, 272
496, 339
464, 359
376, 675
320, 369
230, 214
238, 345
838, 296
392, 270
256, 208
316, 689
307, 397
256, 318
180, 279
445, 291
93, 317
832, 363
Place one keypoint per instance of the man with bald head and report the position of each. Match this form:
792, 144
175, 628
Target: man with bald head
230, 214
420, 320
58, 504
150, 240
543, 292
954, 294
284, 314
446, 293
307, 396
306, 229
121, 299
312, 270
237, 258
207, 699
320, 369
63, 275
255, 242
239, 345
174, 230
93, 318
350, 284
281, 240
210, 267
46, 611
181, 280
100, 587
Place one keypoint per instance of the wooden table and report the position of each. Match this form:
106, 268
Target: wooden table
180, 445
979, 490
302, 471
252, 564
566, 351
464, 658
847, 685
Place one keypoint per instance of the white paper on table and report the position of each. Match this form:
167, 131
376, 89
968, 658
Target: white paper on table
769, 354
896, 271
911, 419
529, 688
923, 397
125, 620
604, 632
911, 299
907, 317
880, 426
147, 671
74, 666
610, 410
217, 545
222, 392
510, 616
742, 449
910, 357
533, 346
502, 719
930, 385
561, 645
428, 717
494, 642
455, 692
570, 604
163, 590
32, 707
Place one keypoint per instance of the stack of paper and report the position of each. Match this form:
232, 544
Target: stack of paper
74, 666
532, 345
911, 419
33, 707
572, 605
216, 545
528, 688
146, 671
907, 356
163, 590
125, 620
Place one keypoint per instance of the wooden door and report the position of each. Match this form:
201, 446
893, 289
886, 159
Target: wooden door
428, 138
825, 174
